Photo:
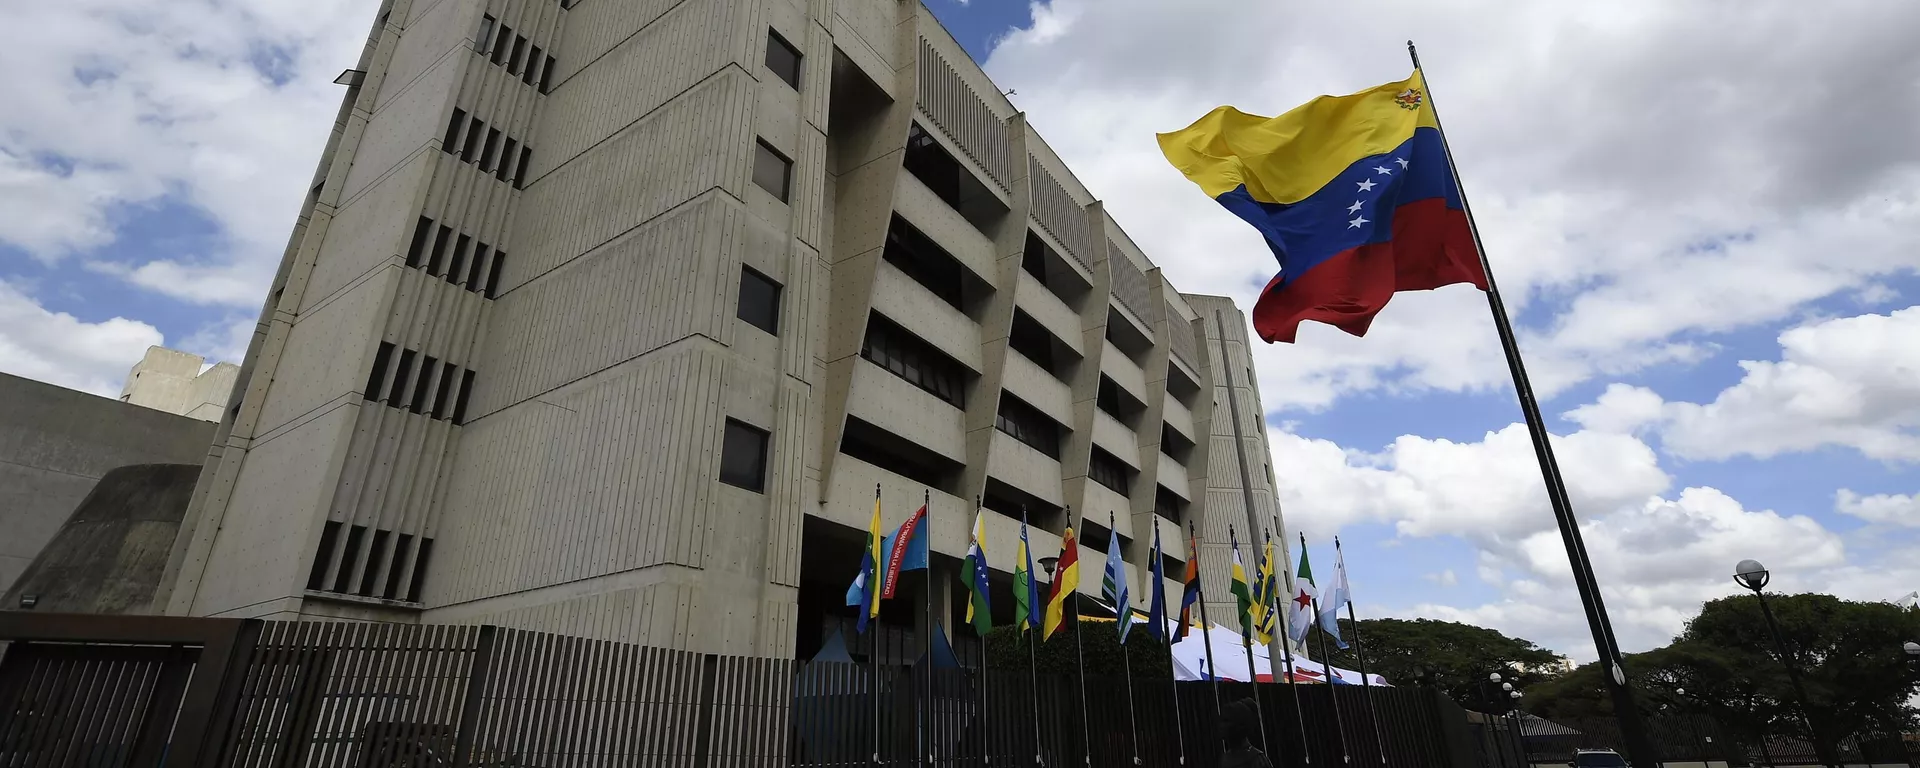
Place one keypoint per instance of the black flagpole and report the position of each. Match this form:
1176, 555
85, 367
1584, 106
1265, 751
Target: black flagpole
1640, 749
921, 703
1359, 652
1126, 658
873, 642
1253, 672
1079, 653
1173, 680
1033, 637
1326, 665
1206, 627
1286, 653
985, 758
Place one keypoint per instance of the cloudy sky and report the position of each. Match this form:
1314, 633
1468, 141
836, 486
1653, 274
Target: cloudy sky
1706, 216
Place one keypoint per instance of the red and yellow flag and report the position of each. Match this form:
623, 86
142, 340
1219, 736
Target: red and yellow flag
1066, 579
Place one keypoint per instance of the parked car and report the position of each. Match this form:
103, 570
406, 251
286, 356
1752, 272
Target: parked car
1597, 758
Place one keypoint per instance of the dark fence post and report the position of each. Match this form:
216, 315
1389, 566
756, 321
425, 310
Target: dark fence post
479, 675
703, 732
212, 691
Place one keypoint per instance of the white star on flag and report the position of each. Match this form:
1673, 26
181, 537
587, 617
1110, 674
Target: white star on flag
1355, 224
1402, 161
1355, 208
1366, 186
1383, 169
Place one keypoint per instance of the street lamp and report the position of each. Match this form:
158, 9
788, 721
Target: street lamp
1752, 575
1913, 656
1513, 714
1699, 748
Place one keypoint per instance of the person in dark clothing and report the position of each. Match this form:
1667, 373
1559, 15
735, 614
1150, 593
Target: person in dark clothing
1239, 724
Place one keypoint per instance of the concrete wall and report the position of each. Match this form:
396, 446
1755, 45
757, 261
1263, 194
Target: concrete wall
55, 443
109, 555
170, 380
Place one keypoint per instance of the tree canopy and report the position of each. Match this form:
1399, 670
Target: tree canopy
1848, 654
1455, 657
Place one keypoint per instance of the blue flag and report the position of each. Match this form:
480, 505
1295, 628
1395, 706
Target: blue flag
1114, 584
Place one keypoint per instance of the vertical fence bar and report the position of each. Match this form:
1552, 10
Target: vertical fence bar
477, 681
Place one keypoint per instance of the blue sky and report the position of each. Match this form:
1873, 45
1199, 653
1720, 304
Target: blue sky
1710, 238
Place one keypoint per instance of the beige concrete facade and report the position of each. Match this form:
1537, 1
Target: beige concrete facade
170, 380
506, 394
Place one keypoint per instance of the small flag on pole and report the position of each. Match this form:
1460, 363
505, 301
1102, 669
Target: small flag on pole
1266, 606
974, 570
1242, 591
1303, 595
1066, 579
1027, 607
1337, 596
906, 550
865, 591
1190, 594
1157, 604
1113, 585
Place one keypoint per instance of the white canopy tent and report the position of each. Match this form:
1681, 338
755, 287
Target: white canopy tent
1190, 658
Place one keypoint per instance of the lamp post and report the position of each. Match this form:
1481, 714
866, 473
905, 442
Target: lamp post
1699, 747
1752, 575
1519, 740
1913, 656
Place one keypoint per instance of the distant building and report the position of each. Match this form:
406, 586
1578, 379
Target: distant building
170, 380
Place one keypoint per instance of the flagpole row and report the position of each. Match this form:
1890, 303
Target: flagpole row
1157, 618
1326, 665
922, 705
1640, 749
1206, 625
1033, 636
873, 645
1359, 651
1118, 588
986, 744
1080, 654
1293, 684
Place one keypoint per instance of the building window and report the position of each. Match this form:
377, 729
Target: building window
505, 171
1167, 505
378, 375
891, 347
500, 44
460, 402
400, 546
376, 556
472, 143
533, 63
418, 248
473, 269
546, 76
419, 402
400, 377
525, 168
440, 390
1028, 425
349, 557
771, 170
452, 140
493, 274
743, 457
323, 557
486, 150
519, 50
1032, 340
485, 37
439, 249
420, 558
759, 301
1111, 472
459, 258
933, 166
926, 262
783, 59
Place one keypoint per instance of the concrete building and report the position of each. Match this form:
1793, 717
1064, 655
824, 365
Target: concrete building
170, 380
56, 444
611, 319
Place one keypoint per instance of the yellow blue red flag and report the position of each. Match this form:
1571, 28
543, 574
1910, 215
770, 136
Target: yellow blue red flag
1354, 195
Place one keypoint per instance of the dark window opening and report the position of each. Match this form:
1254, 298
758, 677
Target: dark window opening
771, 170
460, 247
1105, 469
546, 76
460, 403
343, 578
759, 301
452, 140
926, 262
533, 63
505, 170
1184, 389
420, 569
783, 59
439, 249
1048, 267
376, 556
323, 557
1033, 341
484, 40
526, 167
1168, 505
933, 166
519, 50
1008, 500
902, 354
419, 403
1114, 401
474, 269
378, 375
493, 274
1033, 258
441, 389
1127, 337
486, 149
401, 376
418, 248
500, 44
897, 454
1028, 425
743, 456
471, 145
394, 573
1175, 445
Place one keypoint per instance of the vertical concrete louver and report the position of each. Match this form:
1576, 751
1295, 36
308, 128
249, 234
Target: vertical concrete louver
522, 363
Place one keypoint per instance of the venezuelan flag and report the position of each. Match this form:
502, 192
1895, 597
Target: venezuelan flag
1354, 194
1066, 579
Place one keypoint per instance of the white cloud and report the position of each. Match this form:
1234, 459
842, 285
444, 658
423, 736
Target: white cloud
1852, 382
1887, 508
1445, 578
115, 103
1646, 174
59, 348
1656, 556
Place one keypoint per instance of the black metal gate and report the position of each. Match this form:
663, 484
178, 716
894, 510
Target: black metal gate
90, 705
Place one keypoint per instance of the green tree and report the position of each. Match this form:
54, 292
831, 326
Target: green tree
1455, 657
1848, 654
